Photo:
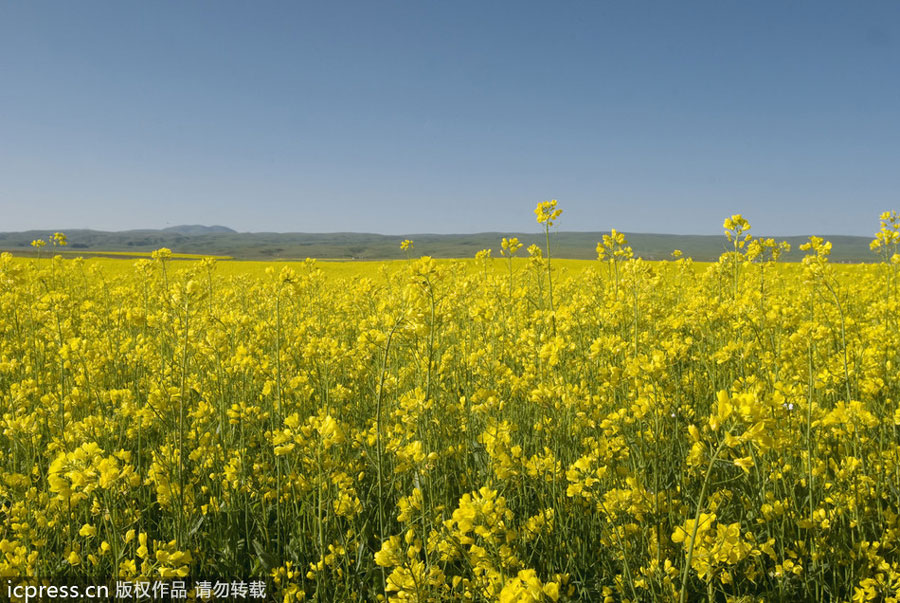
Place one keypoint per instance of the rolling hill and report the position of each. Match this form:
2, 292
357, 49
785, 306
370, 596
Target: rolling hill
220, 240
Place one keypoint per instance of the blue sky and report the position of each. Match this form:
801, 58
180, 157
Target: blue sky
408, 117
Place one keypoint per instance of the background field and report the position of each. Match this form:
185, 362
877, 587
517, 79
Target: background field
219, 241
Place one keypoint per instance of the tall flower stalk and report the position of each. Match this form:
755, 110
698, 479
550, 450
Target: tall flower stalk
547, 214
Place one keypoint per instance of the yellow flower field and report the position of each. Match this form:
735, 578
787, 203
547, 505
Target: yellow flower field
494, 429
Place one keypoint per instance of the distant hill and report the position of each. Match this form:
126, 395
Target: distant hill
220, 240
195, 229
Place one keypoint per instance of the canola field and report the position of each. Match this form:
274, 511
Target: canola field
505, 428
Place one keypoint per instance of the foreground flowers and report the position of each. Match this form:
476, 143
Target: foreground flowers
442, 431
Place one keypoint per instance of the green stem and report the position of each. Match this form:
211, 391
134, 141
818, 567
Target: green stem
690, 553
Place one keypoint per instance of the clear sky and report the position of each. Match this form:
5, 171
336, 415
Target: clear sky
450, 116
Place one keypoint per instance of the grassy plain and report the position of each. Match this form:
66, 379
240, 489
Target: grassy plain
362, 246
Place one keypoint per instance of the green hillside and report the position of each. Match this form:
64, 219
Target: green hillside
366, 246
